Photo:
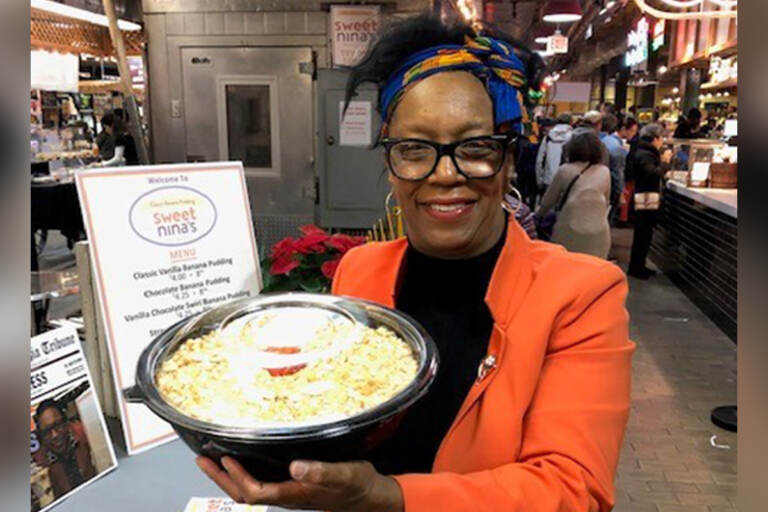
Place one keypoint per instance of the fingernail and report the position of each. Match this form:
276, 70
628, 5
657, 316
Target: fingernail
226, 463
299, 469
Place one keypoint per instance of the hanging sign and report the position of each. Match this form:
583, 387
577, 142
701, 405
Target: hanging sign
658, 35
352, 29
167, 242
722, 70
637, 42
557, 43
69, 443
52, 71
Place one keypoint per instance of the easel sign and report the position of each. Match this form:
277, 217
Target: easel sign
166, 242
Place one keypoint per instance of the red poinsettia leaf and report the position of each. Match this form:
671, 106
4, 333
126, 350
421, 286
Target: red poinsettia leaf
329, 267
283, 265
311, 228
314, 242
343, 243
285, 247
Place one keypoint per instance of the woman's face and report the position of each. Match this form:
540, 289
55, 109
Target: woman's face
447, 215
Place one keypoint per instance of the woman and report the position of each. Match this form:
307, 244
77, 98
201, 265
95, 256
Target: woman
581, 193
529, 407
650, 165
124, 146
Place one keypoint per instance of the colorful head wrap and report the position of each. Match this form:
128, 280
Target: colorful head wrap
491, 60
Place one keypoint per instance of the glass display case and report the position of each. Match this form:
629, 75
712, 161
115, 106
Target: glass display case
702, 162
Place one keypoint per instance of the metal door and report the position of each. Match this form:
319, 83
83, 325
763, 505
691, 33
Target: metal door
254, 104
351, 176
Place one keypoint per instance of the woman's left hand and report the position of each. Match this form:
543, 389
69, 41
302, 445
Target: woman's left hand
344, 486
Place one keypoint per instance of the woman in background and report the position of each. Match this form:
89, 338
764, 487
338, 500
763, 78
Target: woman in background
581, 193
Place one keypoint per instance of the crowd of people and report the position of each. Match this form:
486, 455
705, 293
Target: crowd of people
585, 173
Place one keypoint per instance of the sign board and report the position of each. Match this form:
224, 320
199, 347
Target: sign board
167, 242
352, 29
571, 92
355, 124
700, 171
53, 71
637, 46
69, 442
658, 35
557, 43
731, 128
136, 69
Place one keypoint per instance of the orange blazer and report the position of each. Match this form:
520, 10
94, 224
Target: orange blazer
541, 431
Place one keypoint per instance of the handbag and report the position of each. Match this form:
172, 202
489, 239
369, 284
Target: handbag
647, 201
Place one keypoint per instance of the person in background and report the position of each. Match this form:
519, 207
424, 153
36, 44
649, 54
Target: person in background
67, 450
124, 145
581, 193
608, 108
593, 120
628, 131
105, 140
649, 167
617, 156
688, 125
550, 153
523, 215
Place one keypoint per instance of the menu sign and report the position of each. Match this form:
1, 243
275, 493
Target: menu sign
69, 444
167, 242
221, 505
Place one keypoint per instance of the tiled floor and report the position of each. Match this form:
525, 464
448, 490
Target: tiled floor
684, 366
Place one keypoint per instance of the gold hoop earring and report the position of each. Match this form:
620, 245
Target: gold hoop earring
394, 215
518, 198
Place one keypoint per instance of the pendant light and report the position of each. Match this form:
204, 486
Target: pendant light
562, 11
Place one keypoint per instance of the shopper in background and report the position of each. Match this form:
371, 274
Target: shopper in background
125, 147
628, 131
649, 167
68, 454
608, 108
688, 125
531, 398
105, 140
550, 154
580, 193
592, 120
617, 156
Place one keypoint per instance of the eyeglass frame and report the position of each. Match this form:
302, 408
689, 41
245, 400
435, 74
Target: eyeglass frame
449, 150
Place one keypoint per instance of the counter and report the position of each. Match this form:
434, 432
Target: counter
695, 244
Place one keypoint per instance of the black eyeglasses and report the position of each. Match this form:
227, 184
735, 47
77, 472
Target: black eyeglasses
59, 426
474, 158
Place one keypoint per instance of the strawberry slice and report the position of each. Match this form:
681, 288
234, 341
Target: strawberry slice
287, 370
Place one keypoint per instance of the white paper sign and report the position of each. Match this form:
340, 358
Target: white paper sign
221, 505
700, 171
355, 125
53, 71
69, 442
352, 29
167, 241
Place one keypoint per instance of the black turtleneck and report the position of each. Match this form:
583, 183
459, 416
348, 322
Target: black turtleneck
447, 297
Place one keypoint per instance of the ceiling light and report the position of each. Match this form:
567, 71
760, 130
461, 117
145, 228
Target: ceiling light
662, 70
562, 11
675, 90
726, 93
80, 14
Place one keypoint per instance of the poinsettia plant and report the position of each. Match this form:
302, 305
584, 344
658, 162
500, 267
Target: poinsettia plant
307, 263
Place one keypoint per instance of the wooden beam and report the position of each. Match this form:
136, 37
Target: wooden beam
125, 77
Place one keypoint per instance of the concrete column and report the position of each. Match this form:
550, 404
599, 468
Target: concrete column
622, 78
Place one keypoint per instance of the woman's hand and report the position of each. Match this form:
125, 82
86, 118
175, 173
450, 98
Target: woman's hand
345, 486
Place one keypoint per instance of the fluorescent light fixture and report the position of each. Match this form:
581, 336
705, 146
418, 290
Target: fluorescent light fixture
80, 14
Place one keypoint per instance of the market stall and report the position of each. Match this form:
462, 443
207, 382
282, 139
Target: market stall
695, 242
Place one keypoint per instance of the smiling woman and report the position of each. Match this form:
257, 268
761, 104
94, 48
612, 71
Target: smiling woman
531, 399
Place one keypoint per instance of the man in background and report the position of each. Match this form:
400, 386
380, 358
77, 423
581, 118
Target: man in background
550, 154
617, 156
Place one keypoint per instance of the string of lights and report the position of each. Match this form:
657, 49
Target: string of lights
643, 5
684, 4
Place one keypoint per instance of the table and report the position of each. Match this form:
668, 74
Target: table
159, 480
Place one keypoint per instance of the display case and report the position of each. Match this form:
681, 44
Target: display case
703, 162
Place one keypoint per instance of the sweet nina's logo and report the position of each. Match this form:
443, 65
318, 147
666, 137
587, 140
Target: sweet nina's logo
172, 216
